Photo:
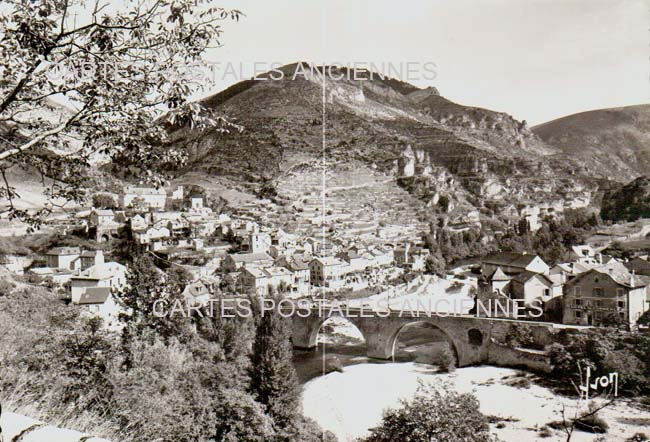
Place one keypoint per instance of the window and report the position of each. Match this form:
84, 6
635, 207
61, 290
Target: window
620, 292
577, 291
577, 314
599, 315
547, 292
621, 304
599, 303
577, 302
599, 291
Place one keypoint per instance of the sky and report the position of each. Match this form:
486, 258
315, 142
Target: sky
535, 59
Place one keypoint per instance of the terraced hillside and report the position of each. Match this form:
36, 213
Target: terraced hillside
469, 156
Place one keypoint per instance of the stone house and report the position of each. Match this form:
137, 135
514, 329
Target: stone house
99, 301
535, 289
253, 280
512, 263
356, 261
605, 294
328, 272
64, 258
90, 258
236, 261
150, 197
101, 217
109, 274
259, 242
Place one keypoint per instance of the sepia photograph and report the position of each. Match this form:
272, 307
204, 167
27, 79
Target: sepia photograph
324, 221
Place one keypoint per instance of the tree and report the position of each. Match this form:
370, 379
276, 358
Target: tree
104, 201
111, 73
434, 265
148, 291
435, 414
274, 381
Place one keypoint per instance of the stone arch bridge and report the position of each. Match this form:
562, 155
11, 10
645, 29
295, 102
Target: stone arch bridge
475, 340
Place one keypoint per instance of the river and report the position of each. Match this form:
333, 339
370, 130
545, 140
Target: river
345, 392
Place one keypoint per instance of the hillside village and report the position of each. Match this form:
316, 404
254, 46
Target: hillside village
241, 252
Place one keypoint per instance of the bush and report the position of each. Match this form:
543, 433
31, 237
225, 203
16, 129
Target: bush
592, 424
638, 437
445, 360
545, 432
519, 336
434, 414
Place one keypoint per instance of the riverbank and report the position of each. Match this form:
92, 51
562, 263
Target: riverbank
350, 402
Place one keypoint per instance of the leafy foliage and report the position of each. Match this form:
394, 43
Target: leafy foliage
84, 79
629, 202
273, 375
605, 351
434, 415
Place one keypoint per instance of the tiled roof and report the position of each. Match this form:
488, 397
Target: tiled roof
104, 212
95, 295
510, 259
251, 257
499, 275
525, 276
329, 261
59, 251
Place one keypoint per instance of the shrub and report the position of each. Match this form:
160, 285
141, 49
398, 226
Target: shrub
592, 424
434, 414
545, 432
638, 437
519, 336
445, 360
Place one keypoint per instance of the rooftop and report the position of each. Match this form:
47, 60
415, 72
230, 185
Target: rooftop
510, 259
95, 295
62, 251
250, 257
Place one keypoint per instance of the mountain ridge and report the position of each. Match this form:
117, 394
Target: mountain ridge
612, 142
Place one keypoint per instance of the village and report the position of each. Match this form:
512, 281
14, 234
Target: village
234, 254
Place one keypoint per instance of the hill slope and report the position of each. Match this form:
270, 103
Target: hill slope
609, 142
381, 137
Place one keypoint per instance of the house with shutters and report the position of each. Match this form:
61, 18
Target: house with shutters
328, 272
610, 293
64, 258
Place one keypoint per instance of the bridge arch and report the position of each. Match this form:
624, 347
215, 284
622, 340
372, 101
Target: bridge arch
394, 338
355, 334
306, 330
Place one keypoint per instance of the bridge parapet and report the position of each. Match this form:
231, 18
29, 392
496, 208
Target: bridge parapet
474, 340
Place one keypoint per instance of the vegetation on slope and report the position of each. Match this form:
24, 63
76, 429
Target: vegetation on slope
629, 202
